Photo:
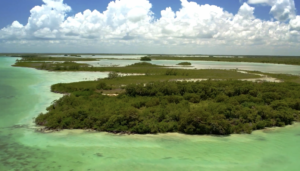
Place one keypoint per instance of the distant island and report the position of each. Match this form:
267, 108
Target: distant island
184, 63
290, 60
146, 58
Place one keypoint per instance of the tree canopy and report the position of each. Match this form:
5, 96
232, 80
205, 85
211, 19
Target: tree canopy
207, 107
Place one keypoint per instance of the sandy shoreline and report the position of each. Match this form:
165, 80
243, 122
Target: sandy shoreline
169, 134
264, 78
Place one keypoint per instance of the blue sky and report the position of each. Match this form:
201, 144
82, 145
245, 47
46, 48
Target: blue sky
254, 27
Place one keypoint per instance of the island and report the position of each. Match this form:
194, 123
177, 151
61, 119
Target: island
144, 98
203, 107
184, 63
146, 58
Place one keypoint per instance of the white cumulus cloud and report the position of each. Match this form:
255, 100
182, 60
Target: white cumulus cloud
282, 10
295, 23
258, 1
122, 18
131, 23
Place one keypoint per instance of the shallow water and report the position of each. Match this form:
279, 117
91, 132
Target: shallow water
105, 56
24, 93
268, 68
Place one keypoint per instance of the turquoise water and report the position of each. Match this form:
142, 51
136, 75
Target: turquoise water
24, 93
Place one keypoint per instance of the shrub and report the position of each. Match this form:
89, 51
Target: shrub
103, 86
145, 58
113, 75
184, 63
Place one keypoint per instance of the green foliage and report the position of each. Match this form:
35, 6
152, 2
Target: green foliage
153, 72
113, 75
151, 77
146, 58
143, 64
184, 63
103, 86
53, 66
172, 72
208, 107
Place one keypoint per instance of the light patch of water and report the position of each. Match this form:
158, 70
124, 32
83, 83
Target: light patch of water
267, 68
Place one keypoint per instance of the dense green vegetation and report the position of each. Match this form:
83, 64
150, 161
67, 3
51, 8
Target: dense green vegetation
145, 58
53, 66
155, 103
143, 64
118, 82
184, 63
208, 107
259, 59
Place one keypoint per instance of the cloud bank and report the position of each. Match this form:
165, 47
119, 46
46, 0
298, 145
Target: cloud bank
129, 26
282, 10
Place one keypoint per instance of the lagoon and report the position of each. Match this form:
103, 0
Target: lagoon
268, 68
25, 92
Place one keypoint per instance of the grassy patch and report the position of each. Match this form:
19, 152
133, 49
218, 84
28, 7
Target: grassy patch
120, 82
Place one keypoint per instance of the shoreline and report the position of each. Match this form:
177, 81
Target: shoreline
39, 129
46, 130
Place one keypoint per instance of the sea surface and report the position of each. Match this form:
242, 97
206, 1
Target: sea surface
24, 93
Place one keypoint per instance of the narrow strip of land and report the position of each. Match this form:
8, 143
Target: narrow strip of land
256, 59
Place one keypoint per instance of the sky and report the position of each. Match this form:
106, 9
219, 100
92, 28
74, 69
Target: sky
237, 27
